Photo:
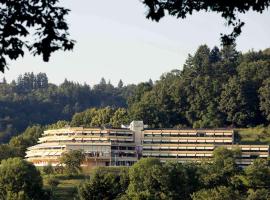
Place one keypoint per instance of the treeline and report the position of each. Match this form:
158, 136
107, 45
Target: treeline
219, 179
31, 99
107, 117
215, 88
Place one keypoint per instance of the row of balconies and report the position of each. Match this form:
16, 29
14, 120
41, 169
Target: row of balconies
196, 155
155, 141
187, 135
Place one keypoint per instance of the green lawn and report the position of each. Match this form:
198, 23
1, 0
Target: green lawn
256, 135
67, 188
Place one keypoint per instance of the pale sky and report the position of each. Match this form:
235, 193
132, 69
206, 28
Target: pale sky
116, 41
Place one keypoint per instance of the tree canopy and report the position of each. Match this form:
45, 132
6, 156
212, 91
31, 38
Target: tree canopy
20, 180
32, 99
150, 179
229, 10
72, 161
36, 25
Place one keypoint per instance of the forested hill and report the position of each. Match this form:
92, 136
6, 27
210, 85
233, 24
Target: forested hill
31, 99
214, 88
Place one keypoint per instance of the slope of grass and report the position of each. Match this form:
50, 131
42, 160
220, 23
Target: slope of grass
255, 135
67, 187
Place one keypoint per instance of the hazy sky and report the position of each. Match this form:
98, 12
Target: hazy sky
116, 41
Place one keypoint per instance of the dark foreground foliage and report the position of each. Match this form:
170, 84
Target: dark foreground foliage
150, 179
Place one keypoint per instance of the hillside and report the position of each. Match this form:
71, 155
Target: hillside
215, 88
32, 99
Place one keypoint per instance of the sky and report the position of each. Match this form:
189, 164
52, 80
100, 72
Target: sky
114, 40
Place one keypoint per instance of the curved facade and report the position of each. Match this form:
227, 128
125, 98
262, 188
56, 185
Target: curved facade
101, 146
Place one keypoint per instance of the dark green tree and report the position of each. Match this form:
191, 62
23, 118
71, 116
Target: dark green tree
259, 194
218, 193
237, 103
48, 169
264, 92
103, 185
257, 174
222, 170
72, 161
147, 180
120, 84
183, 180
20, 179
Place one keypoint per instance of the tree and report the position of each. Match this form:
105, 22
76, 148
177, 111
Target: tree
18, 178
183, 180
6, 151
120, 84
41, 104
45, 19
58, 124
218, 193
72, 161
102, 117
53, 183
147, 180
259, 194
48, 169
222, 170
237, 103
265, 98
228, 10
28, 138
103, 185
119, 117
257, 174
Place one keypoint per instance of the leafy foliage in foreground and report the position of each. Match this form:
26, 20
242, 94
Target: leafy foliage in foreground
44, 21
20, 180
72, 161
229, 10
150, 179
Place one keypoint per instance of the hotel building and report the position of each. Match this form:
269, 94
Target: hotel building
110, 147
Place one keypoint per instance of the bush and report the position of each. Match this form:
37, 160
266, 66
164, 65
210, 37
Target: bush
48, 169
72, 161
104, 185
20, 180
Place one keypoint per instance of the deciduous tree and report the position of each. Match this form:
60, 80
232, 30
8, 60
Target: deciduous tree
42, 21
229, 10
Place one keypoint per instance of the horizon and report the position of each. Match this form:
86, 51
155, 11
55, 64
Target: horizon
108, 81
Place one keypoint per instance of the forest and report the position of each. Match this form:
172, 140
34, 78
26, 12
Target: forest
214, 88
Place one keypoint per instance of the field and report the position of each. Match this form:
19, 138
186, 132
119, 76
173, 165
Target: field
67, 187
